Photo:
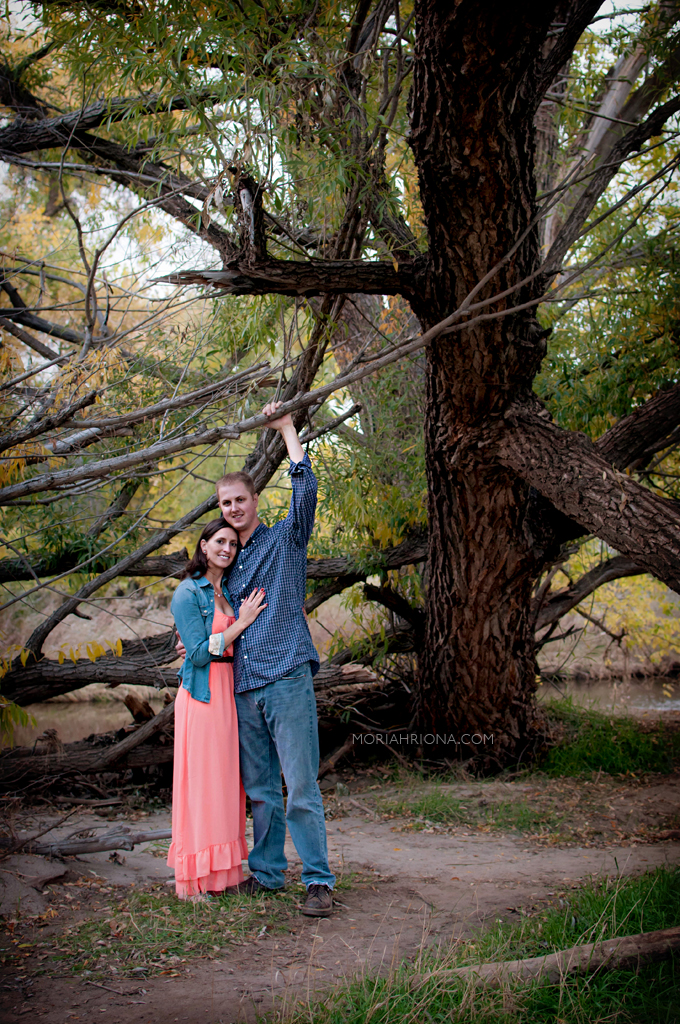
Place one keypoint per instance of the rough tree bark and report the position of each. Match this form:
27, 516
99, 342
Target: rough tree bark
477, 186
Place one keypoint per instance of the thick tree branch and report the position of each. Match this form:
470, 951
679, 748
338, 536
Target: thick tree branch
394, 602
14, 570
580, 14
409, 552
323, 277
23, 136
112, 755
141, 661
568, 469
634, 439
329, 590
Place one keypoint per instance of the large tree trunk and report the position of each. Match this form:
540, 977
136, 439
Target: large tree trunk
478, 671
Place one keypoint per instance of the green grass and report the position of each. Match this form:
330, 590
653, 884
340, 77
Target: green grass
598, 910
439, 807
151, 931
594, 741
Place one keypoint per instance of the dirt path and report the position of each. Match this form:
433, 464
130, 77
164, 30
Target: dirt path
413, 881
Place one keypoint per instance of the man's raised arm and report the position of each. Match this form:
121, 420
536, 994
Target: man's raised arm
300, 519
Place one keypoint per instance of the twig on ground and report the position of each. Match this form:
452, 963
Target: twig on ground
16, 846
363, 808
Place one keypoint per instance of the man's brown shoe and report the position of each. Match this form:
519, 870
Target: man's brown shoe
250, 887
319, 902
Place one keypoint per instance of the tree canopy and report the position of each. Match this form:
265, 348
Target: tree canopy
443, 235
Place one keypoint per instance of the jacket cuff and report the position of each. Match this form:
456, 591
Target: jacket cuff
216, 644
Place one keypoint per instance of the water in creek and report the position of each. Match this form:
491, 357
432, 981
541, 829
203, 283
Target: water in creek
618, 696
76, 721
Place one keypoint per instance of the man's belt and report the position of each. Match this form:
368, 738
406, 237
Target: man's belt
221, 657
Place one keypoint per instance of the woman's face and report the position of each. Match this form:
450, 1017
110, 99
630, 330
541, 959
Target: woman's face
220, 550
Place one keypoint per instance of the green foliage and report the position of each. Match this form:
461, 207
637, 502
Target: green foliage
277, 104
639, 612
594, 741
267, 91
12, 715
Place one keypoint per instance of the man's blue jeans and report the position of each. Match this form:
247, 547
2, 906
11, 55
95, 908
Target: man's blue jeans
278, 730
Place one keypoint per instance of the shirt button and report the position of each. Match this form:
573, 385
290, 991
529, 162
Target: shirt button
245, 657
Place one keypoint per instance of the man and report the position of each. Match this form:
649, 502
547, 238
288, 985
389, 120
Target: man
274, 664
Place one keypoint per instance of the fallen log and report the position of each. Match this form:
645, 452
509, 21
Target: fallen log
629, 951
141, 661
118, 839
113, 754
19, 767
339, 678
140, 748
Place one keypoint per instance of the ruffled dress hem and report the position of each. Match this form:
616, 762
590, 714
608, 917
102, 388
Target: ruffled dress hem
209, 870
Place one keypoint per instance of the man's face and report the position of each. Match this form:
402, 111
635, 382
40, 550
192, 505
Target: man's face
238, 506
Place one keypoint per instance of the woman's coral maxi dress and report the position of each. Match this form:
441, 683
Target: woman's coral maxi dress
208, 801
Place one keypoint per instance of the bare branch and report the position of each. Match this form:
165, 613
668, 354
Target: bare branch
55, 132
50, 422
28, 339
563, 601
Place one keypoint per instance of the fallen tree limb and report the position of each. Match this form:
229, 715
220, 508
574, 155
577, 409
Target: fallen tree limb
630, 951
343, 677
119, 839
142, 661
160, 721
20, 766
330, 762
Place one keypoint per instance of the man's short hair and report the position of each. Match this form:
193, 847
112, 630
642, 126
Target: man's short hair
237, 478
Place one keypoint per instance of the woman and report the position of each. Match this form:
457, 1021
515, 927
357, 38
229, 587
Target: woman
208, 802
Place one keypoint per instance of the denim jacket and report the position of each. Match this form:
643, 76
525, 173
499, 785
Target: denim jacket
193, 608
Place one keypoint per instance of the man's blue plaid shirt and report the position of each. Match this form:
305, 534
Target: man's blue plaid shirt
276, 558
